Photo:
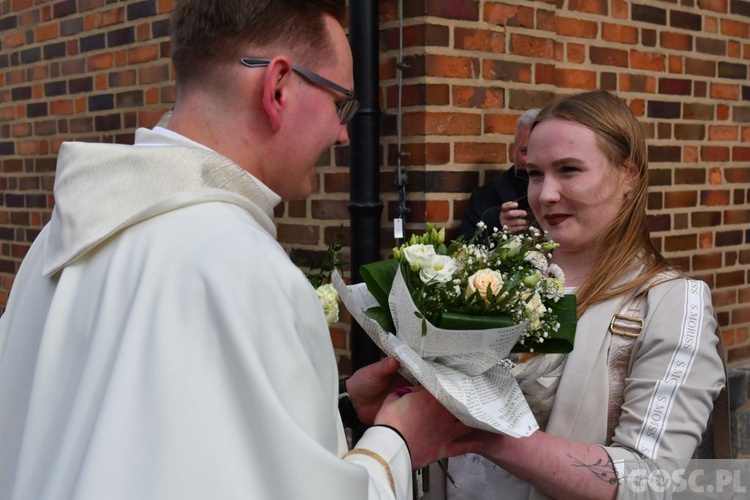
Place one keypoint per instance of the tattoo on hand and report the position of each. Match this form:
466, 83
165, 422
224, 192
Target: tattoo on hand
604, 471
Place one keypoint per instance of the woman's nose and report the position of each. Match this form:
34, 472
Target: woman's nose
549, 190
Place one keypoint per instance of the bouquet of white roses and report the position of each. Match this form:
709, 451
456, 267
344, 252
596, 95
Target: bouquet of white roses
452, 314
491, 281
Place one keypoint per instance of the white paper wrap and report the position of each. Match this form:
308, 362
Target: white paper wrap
464, 370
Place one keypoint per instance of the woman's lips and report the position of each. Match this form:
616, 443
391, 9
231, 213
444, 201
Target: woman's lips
555, 219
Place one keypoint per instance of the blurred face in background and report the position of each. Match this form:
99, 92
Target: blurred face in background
522, 146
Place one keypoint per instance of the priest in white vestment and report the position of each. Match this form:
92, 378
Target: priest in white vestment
158, 343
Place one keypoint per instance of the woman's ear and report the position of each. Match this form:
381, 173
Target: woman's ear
632, 175
275, 90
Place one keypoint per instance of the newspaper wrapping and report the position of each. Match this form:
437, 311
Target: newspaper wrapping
465, 370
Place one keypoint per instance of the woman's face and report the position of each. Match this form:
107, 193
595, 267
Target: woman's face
574, 191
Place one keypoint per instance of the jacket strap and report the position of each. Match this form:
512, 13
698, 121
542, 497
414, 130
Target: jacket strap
720, 420
625, 328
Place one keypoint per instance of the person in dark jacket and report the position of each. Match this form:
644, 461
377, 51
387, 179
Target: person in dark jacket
503, 202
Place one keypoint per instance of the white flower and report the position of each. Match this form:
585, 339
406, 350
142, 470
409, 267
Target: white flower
513, 245
555, 289
512, 269
329, 300
440, 269
535, 309
555, 282
534, 303
419, 256
556, 272
536, 259
482, 280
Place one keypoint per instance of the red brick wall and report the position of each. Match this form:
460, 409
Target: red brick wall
85, 70
94, 70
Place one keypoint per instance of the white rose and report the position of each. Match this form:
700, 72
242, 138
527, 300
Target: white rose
329, 300
440, 269
483, 279
419, 256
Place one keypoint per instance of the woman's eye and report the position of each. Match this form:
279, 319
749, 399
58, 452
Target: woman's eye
569, 170
534, 175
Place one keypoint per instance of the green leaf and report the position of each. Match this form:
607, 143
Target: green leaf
560, 342
382, 317
458, 321
378, 276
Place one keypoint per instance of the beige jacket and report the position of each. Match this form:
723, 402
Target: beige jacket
674, 375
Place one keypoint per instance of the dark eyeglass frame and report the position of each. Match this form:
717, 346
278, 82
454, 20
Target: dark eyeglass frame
345, 109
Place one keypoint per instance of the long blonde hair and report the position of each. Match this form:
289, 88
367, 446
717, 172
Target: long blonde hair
626, 246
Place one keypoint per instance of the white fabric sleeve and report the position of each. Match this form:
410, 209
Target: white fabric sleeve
391, 447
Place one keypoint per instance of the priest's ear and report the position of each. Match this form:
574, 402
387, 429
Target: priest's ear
275, 94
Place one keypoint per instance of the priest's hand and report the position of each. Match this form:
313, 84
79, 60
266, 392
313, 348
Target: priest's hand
430, 430
370, 385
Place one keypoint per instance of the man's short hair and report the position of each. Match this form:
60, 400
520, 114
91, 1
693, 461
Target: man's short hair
209, 33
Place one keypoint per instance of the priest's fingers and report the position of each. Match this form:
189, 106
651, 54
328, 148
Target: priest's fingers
369, 386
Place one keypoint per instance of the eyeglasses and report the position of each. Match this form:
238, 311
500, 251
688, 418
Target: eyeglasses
345, 109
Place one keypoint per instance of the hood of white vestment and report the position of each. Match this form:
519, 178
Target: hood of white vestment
101, 189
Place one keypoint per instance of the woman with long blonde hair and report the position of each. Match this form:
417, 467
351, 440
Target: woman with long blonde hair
643, 374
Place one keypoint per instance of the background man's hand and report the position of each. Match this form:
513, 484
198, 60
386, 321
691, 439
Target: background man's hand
513, 218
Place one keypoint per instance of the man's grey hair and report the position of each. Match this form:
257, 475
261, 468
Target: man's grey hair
527, 119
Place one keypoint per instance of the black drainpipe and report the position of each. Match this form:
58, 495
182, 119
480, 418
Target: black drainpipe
365, 206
